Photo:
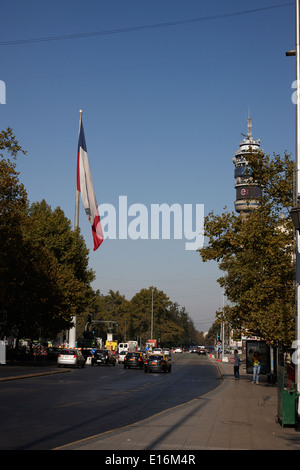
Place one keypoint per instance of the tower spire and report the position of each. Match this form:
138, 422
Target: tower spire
249, 126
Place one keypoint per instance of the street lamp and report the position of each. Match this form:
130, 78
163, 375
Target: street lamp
295, 212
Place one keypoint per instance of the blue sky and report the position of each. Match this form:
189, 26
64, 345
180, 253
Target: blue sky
163, 112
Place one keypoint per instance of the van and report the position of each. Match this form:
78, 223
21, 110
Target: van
130, 346
123, 347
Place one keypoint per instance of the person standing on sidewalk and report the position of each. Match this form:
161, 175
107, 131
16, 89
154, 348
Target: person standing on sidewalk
256, 367
236, 365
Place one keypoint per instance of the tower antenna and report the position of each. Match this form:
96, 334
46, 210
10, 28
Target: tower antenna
249, 125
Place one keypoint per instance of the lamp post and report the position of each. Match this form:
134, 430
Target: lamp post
295, 212
295, 216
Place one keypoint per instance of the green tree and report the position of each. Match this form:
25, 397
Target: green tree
255, 252
13, 207
53, 230
189, 335
102, 309
66, 252
44, 275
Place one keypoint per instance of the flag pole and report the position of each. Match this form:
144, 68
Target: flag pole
76, 224
72, 331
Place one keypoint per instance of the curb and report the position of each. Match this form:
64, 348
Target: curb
32, 375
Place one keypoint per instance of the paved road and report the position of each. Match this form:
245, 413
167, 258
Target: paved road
46, 412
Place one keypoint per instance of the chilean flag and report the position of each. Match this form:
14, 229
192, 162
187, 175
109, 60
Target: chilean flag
85, 187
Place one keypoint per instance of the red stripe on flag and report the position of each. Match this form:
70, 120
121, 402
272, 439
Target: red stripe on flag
97, 232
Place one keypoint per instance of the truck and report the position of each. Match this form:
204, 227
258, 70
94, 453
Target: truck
111, 346
151, 344
129, 346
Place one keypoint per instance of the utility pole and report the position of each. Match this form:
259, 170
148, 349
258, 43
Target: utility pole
297, 375
295, 212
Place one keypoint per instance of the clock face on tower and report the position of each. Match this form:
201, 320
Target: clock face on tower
248, 192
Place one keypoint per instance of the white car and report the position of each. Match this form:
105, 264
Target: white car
177, 350
157, 351
70, 358
121, 356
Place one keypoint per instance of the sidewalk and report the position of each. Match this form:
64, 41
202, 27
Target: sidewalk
24, 371
238, 415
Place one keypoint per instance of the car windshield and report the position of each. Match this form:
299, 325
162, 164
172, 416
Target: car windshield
133, 354
68, 352
155, 357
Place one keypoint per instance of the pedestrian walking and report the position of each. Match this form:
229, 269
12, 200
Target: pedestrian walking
236, 365
256, 368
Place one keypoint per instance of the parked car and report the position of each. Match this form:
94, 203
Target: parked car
121, 356
157, 351
70, 358
177, 350
157, 363
103, 356
134, 359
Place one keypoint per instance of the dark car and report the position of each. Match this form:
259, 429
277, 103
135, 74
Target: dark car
157, 363
103, 356
194, 351
134, 359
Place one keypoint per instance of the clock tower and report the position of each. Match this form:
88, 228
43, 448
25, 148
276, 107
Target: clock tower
247, 191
